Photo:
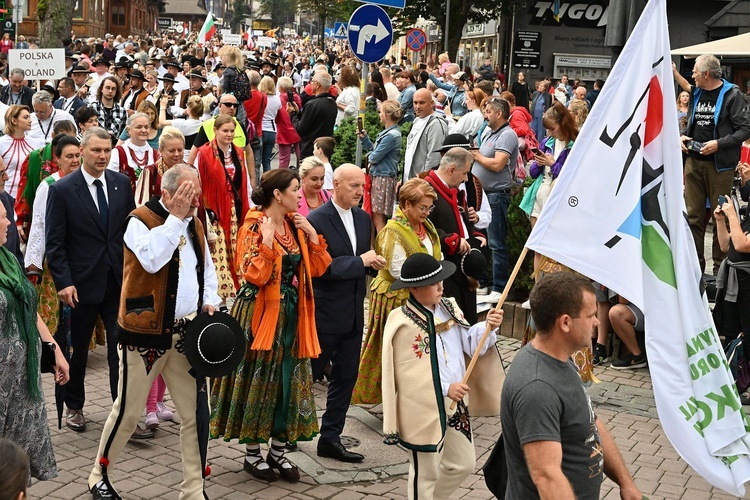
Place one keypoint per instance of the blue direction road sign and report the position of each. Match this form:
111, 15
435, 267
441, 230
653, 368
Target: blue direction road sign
398, 4
370, 33
340, 30
328, 32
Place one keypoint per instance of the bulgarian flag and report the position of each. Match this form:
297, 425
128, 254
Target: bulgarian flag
622, 222
207, 30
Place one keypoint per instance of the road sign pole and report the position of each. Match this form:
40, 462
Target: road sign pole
447, 24
362, 109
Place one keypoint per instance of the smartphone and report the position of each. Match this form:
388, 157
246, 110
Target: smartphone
722, 200
289, 96
536, 151
360, 124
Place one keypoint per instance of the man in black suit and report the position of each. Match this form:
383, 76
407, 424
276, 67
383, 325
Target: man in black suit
86, 213
339, 301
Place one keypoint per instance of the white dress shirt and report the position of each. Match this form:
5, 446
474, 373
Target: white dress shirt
347, 217
452, 344
484, 213
155, 248
92, 189
43, 131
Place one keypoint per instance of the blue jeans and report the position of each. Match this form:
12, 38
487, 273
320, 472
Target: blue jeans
269, 141
496, 232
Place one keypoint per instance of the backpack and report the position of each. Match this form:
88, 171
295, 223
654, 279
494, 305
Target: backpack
738, 363
241, 86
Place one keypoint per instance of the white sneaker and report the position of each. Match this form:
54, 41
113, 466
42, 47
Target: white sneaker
526, 305
492, 298
152, 421
163, 411
483, 290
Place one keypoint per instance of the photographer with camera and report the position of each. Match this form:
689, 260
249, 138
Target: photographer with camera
717, 125
732, 311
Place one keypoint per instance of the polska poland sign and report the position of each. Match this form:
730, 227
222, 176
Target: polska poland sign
39, 64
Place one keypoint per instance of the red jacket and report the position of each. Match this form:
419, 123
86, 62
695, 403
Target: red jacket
254, 108
520, 118
285, 132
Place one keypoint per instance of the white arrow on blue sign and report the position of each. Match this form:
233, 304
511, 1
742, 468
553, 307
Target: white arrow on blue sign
370, 33
328, 32
340, 30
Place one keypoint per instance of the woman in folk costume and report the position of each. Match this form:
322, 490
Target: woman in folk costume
225, 182
68, 156
269, 398
40, 164
171, 152
424, 344
135, 154
407, 233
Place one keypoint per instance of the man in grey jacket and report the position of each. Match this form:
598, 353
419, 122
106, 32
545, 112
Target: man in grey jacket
425, 138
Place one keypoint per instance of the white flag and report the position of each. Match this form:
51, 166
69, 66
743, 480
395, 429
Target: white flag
616, 215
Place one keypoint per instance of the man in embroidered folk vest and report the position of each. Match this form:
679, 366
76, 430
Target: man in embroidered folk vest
168, 278
424, 344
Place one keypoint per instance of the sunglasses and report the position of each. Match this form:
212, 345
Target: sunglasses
230, 104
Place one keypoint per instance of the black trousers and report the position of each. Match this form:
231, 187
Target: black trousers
342, 351
82, 322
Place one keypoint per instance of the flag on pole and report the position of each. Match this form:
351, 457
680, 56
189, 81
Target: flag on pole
617, 215
556, 10
207, 30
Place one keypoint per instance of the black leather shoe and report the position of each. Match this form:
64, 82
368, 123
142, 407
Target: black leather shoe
338, 452
75, 420
288, 474
262, 474
104, 491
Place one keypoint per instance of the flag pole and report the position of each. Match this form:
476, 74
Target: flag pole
497, 307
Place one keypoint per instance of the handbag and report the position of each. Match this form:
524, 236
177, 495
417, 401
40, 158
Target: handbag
47, 363
495, 470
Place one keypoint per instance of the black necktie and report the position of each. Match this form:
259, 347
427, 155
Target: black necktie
102, 201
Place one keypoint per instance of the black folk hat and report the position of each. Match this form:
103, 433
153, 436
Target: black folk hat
172, 63
455, 141
136, 73
214, 344
473, 264
196, 73
168, 77
421, 269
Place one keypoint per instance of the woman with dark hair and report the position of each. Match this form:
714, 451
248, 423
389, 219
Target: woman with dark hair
269, 399
86, 118
375, 76
520, 90
14, 470
68, 158
374, 96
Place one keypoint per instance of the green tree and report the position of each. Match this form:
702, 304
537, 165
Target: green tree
240, 11
461, 12
279, 11
55, 20
327, 11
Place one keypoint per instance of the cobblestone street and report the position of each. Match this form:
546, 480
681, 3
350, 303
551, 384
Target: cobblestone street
152, 469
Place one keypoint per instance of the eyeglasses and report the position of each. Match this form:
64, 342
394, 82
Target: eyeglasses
426, 210
231, 104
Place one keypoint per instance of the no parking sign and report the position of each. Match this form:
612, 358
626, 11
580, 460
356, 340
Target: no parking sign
416, 39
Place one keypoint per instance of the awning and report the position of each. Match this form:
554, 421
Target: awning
737, 46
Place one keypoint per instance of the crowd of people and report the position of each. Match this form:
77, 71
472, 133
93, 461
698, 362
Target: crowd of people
139, 193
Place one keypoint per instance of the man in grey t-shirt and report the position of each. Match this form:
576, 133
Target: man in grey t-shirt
494, 165
555, 446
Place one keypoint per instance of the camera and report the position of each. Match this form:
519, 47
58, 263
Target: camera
694, 146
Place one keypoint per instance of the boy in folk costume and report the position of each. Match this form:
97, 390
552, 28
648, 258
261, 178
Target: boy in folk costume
423, 367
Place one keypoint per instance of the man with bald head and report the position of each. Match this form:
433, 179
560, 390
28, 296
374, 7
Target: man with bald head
339, 301
425, 138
